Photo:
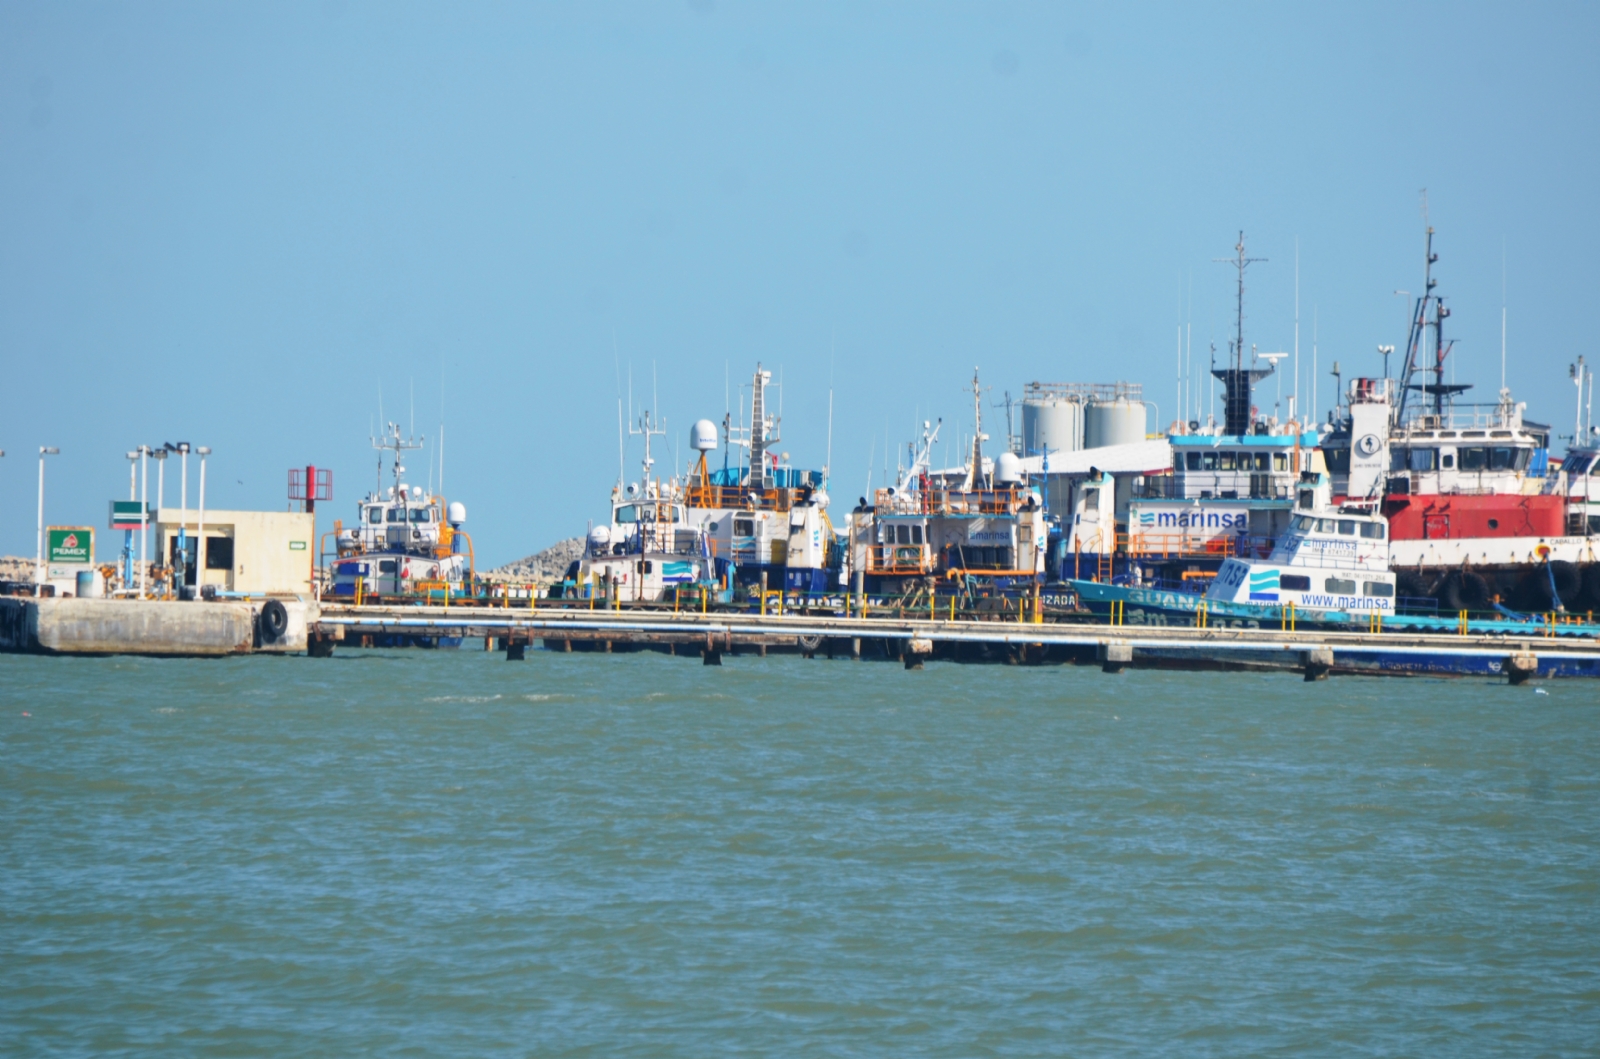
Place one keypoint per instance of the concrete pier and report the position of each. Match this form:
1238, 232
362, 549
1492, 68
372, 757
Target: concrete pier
73, 626
917, 641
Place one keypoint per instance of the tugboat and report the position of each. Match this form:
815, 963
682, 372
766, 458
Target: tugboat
767, 518
982, 528
407, 546
650, 550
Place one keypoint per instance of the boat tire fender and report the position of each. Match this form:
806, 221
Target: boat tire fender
274, 620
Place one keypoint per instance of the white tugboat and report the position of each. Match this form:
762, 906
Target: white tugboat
407, 544
650, 549
1331, 559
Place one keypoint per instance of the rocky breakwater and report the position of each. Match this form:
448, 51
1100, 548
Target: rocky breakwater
540, 568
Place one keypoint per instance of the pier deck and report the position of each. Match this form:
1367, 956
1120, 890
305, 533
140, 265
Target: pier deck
915, 640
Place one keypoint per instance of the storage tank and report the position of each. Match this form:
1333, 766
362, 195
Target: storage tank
1115, 422
1051, 424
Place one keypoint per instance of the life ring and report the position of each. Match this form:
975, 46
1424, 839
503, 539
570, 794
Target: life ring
274, 620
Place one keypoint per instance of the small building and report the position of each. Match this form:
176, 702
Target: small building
254, 553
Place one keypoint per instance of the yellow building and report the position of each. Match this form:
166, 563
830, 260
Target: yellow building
258, 553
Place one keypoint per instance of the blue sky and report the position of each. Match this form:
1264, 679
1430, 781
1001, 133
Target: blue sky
232, 223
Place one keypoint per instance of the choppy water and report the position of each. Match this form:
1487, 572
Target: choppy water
446, 853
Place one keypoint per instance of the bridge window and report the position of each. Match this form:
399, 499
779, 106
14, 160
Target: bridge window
1208, 461
744, 527
397, 514
1377, 588
1501, 458
386, 566
1339, 586
374, 515
1191, 461
1448, 461
1338, 460
1225, 461
1325, 525
1474, 459
1280, 461
1373, 531
1295, 583
422, 514
1347, 527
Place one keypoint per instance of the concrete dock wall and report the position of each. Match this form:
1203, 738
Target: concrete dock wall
146, 627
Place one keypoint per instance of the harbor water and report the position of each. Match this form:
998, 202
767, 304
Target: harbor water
441, 852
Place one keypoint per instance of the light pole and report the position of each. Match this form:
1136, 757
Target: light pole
38, 559
200, 531
182, 449
127, 535
144, 519
160, 456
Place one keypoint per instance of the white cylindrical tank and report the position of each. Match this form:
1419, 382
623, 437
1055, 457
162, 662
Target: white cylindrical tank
457, 513
1052, 424
1008, 469
1116, 422
703, 435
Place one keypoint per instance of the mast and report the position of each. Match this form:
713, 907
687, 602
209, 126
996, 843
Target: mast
1236, 378
975, 469
759, 438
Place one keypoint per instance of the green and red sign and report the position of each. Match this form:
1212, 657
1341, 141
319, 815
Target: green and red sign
70, 545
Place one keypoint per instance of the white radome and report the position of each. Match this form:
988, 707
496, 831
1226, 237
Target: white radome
703, 435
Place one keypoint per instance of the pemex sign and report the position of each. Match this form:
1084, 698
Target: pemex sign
70, 546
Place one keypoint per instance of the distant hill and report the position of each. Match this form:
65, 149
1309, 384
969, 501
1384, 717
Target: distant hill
542, 567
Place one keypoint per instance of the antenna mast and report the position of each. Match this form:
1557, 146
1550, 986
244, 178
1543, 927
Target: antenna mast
1236, 378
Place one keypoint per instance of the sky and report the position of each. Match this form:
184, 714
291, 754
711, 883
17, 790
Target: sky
244, 225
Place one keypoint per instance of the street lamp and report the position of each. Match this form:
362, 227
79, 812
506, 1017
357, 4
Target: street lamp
38, 559
127, 535
200, 531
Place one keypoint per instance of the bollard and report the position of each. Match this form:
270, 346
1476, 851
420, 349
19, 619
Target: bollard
1115, 656
915, 652
1318, 660
1521, 666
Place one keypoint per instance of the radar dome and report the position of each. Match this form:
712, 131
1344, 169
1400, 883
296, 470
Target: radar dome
1008, 469
703, 435
457, 513
600, 536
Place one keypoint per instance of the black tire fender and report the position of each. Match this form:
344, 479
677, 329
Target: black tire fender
274, 620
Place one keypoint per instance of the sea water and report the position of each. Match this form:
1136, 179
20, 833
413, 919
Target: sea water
445, 853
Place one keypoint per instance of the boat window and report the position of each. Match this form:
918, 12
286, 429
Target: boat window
1424, 459
1472, 433
1263, 459
916, 534
1304, 523
386, 566
1347, 527
1280, 461
1448, 461
1295, 583
397, 514
1325, 525
422, 514
1373, 531
627, 514
677, 513
1521, 461
1191, 460
1338, 460
744, 527
1474, 459
374, 515
1377, 588
1501, 458
1225, 461
1339, 586
1208, 461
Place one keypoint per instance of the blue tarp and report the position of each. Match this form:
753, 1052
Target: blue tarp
782, 478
